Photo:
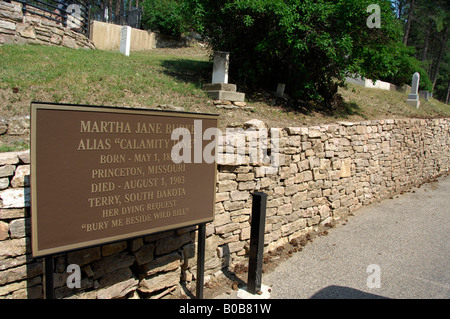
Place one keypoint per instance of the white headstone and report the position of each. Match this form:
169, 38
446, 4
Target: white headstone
125, 40
413, 97
415, 86
280, 89
220, 67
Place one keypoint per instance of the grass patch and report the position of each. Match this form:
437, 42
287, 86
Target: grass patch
170, 76
377, 104
62, 75
14, 146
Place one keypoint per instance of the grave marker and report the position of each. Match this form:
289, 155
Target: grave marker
280, 91
125, 40
219, 89
425, 94
413, 97
220, 67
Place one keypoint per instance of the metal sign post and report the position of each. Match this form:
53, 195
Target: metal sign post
257, 242
48, 278
201, 260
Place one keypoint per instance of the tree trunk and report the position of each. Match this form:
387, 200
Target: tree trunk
122, 8
110, 10
104, 10
408, 23
426, 41
117, 12
441, 54
400, 8
448, 93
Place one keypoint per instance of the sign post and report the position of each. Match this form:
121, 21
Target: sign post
201, 260
49, 292
257, 242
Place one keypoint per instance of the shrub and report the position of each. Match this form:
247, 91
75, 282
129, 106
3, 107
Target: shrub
167, 16
403, 65
306, 44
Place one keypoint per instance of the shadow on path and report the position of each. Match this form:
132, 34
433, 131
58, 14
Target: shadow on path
339, 292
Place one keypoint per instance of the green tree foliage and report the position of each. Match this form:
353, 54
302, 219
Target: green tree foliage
404, 65
307, 44
442, 87
428, 35
167, 16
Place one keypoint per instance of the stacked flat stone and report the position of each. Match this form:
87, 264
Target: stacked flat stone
327, 172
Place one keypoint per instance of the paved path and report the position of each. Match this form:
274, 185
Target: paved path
407, 239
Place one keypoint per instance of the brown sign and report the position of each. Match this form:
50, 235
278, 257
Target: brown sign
101, 174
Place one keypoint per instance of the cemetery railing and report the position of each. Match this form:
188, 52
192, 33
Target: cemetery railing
73, 14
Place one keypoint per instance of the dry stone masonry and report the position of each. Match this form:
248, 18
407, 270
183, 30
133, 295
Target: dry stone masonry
17, 28
219, 89
327, 172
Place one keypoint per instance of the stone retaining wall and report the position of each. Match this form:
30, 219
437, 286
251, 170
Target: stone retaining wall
17, 28
328, 171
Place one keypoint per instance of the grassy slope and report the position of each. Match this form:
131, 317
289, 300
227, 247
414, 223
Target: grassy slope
377, 104
55, 74
166, 76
